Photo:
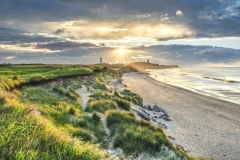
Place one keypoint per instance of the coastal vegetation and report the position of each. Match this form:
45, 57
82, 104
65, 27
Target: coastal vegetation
42, 115
16, 75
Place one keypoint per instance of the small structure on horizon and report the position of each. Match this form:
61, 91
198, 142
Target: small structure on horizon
148, 61
100, 60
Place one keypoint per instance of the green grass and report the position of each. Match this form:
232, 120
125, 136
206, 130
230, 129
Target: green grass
135, 98
22, 137
102, 101
2, 101
47, 122
14, 75
59, 104
124, 104
135, 136
100, 105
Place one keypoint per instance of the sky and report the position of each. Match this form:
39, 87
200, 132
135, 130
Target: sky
179, 32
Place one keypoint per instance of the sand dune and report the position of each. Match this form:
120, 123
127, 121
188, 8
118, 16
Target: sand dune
204, 126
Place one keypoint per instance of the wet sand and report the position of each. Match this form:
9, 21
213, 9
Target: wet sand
204, 126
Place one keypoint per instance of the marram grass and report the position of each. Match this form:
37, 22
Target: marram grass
47, 122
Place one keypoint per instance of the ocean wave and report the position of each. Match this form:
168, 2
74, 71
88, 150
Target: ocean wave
223, 80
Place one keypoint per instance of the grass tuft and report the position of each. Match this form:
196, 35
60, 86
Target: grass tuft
135, 98
100, 105
96, 117
133, 135
2, 100
72, 111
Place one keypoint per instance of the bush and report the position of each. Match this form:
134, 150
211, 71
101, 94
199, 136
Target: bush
96, 117
2, 101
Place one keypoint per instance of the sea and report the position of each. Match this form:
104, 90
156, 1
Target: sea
219, 82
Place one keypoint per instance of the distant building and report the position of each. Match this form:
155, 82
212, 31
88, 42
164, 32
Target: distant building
100, 60
148, 61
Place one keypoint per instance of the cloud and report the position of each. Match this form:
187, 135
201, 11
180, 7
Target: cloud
191, 55
179, 13
60, 31
216, 18
13, 36
64, 45
9, 57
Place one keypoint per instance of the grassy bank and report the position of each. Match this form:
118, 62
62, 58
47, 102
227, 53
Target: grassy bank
47, 121
133, 136
15, 75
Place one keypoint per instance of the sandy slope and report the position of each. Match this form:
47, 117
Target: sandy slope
202, 125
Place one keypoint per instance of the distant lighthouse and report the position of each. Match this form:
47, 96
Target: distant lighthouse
100, 60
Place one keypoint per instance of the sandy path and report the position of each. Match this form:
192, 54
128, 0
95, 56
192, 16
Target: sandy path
204, 126
83, 93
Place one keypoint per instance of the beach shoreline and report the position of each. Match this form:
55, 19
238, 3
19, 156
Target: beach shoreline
203, 125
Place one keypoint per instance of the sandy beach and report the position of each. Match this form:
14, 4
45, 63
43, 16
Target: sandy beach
204, 126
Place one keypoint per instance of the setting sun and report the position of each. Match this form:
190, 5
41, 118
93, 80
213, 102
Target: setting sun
121, 51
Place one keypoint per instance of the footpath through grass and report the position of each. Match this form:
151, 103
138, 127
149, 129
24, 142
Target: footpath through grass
47, 122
